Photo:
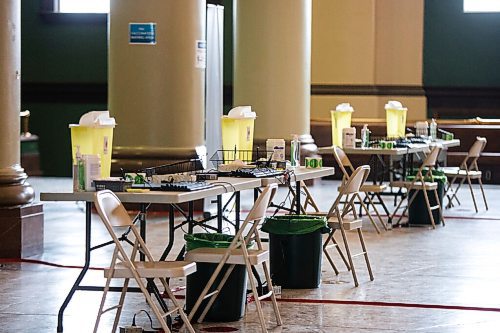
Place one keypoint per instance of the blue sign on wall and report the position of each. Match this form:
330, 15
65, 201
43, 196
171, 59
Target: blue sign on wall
142, 33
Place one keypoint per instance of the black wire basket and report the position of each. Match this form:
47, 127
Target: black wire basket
190, 166
223, 156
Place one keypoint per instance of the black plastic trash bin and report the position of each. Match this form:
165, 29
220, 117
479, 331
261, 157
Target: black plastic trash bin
417, 212
230, 303
295, 249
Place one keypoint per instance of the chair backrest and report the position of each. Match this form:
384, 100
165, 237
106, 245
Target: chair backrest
343, 161
256, 215
350, 187
258, 211
431, 159
355, 181
477, 147
470, 161
113, 214
111, 210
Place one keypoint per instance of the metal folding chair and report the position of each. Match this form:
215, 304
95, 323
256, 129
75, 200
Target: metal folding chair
421, 184
468, 170
238, 254
368, 189
337, 220
124, 265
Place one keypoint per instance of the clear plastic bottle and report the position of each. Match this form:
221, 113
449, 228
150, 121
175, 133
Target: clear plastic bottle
80, 171
78, 156
365, 136
433, 129
295, 151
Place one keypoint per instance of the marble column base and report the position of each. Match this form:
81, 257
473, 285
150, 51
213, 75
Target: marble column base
14, 190
21, 231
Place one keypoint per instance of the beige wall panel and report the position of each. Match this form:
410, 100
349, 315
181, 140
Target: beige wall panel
417, 107
343, 42
272, 64
399, 42
364, 106
156, 92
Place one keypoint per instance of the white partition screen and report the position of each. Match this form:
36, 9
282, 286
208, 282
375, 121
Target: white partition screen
214, 78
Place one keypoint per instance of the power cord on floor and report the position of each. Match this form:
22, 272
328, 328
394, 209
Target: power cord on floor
134, 328
42, 262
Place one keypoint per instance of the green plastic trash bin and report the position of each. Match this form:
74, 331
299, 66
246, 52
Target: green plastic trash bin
230, 303
295, 250
417, 212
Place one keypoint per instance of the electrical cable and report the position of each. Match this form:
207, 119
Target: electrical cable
42, 262
155, 329
222, 184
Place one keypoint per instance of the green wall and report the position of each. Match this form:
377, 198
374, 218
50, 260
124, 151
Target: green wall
55, 49
460, 50
59, 56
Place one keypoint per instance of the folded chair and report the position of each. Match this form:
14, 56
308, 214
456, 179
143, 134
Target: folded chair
337, 220
125, 266
421, 184
368, 189
238, 254
468, 170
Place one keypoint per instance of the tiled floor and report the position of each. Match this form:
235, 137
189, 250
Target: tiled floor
443, 280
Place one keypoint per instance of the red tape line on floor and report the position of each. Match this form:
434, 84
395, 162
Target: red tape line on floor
387, 304
250, 299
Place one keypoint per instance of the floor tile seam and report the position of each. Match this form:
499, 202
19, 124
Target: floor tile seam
388, 275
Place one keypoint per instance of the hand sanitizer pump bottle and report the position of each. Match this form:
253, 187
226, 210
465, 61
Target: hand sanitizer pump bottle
365, 137
433, 130
78, 172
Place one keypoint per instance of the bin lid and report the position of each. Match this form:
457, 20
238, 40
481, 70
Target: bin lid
211, 240
294, 224
437, 175
241, 112
395, 105
95, 119
343, 107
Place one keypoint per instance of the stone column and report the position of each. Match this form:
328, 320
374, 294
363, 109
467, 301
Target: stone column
13, 188
156, 92
21, 225
272, 65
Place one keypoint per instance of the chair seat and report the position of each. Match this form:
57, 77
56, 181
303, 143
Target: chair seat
348, 224
369, 188
152, 269
450, 170
397, 183
373, 188
428, 186
205, 254
456, 172
418, 185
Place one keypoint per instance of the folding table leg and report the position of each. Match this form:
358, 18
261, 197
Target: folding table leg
88, 218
